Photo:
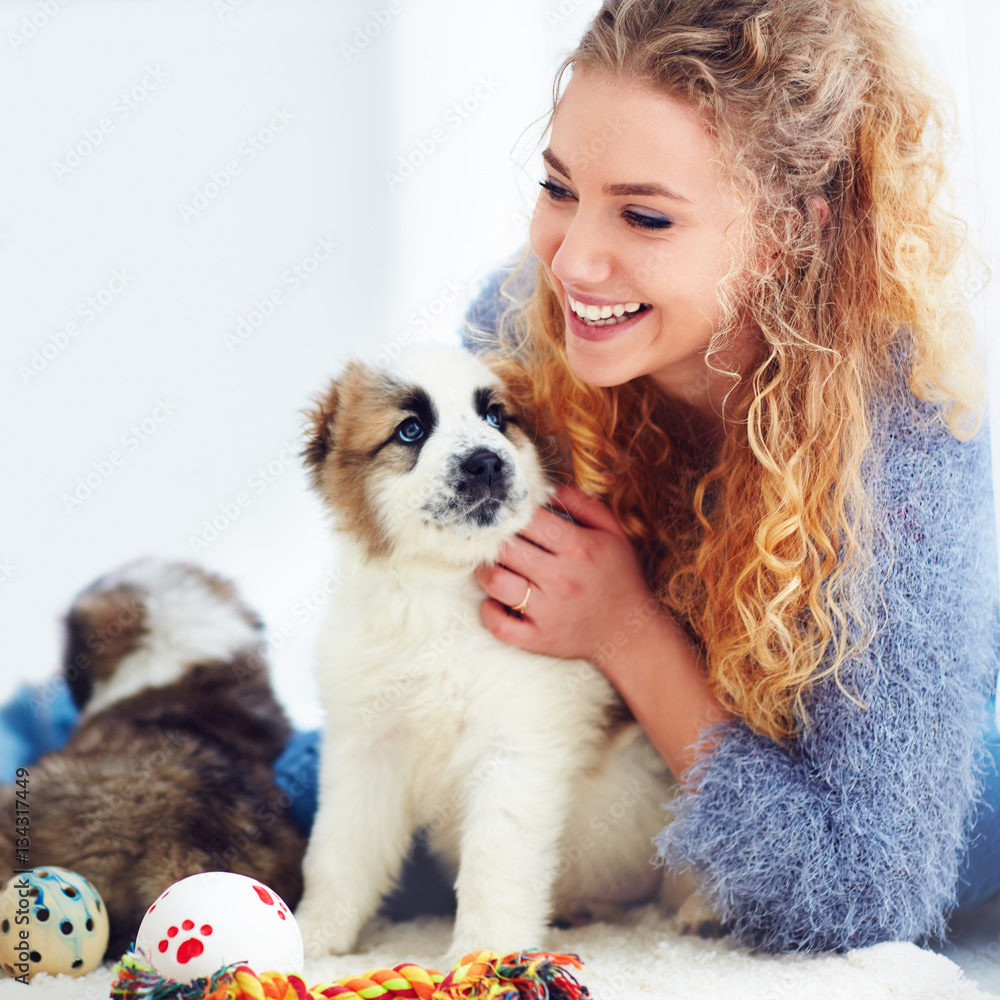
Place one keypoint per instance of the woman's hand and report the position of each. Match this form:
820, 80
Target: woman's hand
590, 600
587, 585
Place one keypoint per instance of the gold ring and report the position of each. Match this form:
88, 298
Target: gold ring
523, 606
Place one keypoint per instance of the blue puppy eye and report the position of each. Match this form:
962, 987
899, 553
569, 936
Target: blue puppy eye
410, 431
494, 416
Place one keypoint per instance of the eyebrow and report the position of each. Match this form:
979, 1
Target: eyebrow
617, 190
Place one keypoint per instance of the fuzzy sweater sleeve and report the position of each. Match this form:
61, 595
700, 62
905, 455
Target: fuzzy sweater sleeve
854, 833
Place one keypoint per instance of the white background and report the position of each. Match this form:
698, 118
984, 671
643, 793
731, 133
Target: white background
224, 71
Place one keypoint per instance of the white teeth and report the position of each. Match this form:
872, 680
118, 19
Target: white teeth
602, 315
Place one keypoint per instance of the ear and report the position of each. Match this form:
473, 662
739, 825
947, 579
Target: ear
320, 427
820, 208
101, 628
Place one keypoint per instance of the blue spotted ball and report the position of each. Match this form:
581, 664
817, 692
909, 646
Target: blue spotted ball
51, 920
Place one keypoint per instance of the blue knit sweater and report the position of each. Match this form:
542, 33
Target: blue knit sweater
854, 832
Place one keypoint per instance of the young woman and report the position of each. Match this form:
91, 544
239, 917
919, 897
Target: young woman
738, 324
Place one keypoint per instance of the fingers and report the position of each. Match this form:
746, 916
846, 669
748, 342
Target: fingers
586, 510
503, 585
535, 553
548, 532
510, 628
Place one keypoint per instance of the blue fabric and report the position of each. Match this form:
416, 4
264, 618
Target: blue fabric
38, 718
874, 822
296, 772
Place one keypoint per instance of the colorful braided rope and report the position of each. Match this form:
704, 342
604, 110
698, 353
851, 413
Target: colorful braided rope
480, 975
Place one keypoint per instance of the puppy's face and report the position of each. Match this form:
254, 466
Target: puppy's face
425, 460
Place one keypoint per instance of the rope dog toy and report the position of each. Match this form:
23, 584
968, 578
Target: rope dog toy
480, 975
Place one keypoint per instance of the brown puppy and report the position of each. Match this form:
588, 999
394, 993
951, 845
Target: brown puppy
170, 771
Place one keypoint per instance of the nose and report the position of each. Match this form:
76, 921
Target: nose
581, 256
484, 466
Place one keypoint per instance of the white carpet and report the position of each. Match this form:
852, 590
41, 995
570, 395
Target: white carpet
641, 957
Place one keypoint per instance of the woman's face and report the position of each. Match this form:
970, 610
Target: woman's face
633, 214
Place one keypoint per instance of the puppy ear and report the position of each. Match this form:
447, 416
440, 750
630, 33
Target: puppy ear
102, 627
321, 420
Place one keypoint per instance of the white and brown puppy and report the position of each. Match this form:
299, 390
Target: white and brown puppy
532, 782
170, 770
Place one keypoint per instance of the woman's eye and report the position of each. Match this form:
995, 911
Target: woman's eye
410, 431
642, 221
637, 220
556, 191
495, 416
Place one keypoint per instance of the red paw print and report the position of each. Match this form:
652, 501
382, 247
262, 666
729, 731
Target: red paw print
190, 947
269, 900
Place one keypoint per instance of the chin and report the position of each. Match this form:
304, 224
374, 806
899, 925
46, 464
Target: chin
588, 365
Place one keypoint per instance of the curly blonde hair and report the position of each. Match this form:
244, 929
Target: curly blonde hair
747, 546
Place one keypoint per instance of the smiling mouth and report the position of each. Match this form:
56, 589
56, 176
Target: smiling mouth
607, 315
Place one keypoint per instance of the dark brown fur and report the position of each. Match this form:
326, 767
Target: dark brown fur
102, 627
172, 781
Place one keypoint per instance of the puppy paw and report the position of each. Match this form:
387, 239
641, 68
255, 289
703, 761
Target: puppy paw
580, 913
696, 917
709, 930
326, 929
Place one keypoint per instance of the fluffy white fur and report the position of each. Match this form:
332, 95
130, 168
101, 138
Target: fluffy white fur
186, 619
501, 755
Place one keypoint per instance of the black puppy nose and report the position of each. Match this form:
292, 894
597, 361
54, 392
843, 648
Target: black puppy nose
483, 465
